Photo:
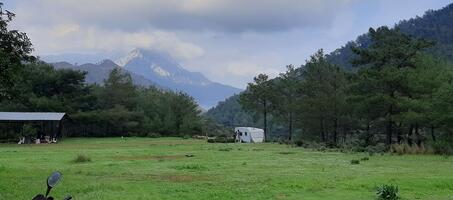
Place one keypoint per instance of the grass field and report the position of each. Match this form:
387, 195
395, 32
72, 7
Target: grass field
143, 168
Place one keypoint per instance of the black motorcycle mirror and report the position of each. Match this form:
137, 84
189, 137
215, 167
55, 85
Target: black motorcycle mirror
53, 180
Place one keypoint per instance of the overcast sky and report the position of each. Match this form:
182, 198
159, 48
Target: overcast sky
229, 41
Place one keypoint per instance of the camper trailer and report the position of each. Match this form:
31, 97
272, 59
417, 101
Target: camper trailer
249, 134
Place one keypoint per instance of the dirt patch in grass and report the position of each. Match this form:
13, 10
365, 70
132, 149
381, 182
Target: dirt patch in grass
280, 196
286, 152
180, 178
190, 167
176, 178
81, 158
116, 145
147, 157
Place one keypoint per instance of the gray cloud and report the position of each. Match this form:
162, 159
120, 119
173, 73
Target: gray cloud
218, 15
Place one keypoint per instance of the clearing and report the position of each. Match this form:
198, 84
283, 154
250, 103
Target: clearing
145, 168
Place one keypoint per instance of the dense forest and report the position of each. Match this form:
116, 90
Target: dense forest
115, 108
392, 87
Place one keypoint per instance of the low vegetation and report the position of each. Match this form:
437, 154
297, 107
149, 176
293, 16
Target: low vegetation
81, 158
388, 192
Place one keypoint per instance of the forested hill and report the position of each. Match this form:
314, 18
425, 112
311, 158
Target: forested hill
230, 113
434, 25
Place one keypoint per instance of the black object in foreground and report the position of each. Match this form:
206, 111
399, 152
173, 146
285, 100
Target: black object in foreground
52, 181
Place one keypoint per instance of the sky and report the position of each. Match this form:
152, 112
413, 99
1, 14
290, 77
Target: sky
229, 41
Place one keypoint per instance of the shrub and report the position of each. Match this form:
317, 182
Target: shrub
299, 143
322, 149
376, 149
186, 137
81, 158
153, 135
29, 130
221, 140
355, 162
442, 148
405, 148
365, 159
286, 152
226, 149
190, 167
387, 192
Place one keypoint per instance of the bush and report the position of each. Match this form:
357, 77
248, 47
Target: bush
299, 143
190, 167
153, 135
352, 145
387, 192
376, 149
29, 130
365, 159
442, 148
355, 162
81, 158
322, 149
405, 148
221, 140
226, 149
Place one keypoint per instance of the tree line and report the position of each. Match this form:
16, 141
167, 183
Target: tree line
115, 108
397, 92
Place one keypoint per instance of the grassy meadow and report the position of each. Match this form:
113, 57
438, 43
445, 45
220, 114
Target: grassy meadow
145, 168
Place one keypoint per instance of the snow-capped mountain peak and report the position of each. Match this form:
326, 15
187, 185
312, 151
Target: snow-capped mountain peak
136, 53
161, 68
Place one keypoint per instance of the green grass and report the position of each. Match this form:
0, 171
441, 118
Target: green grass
144, 168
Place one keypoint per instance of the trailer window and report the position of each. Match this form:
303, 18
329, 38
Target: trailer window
245, 133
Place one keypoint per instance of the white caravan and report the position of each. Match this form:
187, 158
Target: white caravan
249, 134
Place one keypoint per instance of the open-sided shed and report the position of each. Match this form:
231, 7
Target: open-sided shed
50, 123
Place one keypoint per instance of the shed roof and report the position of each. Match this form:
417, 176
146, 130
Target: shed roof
31, 116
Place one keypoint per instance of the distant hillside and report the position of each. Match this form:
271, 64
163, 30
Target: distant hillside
230, 113
435, 25
97, 73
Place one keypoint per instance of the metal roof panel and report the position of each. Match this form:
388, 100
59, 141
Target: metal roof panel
31, 116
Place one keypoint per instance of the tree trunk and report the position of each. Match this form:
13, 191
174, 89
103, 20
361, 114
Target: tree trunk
323, 134
390, 121
389, 132
368, 134
389, 125
290, 126
417, 134
432, 134
409, 135
399, 133
265, 121
335, 131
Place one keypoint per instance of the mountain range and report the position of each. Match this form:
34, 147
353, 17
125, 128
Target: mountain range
155, 68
